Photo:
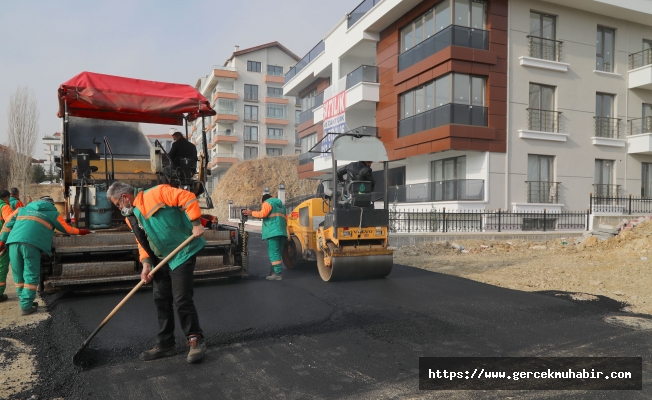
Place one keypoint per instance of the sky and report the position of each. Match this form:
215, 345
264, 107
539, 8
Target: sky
45, 43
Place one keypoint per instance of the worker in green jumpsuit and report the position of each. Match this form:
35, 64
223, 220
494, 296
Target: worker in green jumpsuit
28, 233
273, 214
5, 211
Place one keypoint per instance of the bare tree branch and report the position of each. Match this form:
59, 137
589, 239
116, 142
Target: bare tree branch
23, 134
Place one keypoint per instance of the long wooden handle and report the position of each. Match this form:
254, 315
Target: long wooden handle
141, 283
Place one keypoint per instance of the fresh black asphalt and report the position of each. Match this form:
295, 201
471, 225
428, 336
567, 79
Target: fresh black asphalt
304, 338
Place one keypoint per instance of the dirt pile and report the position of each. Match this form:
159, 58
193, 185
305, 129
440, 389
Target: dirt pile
245, 181
619, 268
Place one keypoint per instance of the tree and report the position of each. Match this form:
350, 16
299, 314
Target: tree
5, 164
23, 134
38, 173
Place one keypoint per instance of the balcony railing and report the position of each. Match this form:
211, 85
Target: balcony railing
309, 114
224, 155
451, 113
640, 59
272, 72
450, 190
360, 11
249, 138
312, 54
229, 112
605, 190
273, 136
306, 158
224, 68
542, 192
545, 49
225, 133
543, 120
249, 117
364, 73
638, 126
275, 95
607, 127
453, 35
251, 96
276, 115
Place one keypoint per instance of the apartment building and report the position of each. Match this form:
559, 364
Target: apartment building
52, 144
164, 139
486, 104
254, 118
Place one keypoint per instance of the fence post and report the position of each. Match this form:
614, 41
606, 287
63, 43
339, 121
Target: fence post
588, 216
499, 220
544, 219
409, 215
590, 203
444, 219
629, 208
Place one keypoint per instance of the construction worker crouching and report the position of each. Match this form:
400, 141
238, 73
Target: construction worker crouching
29, 232
273, 214
168, 216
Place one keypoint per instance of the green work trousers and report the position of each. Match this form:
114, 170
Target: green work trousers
275, 252
4, 269
26, 268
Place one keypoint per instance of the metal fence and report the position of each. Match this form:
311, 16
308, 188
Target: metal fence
625, 205
543, 48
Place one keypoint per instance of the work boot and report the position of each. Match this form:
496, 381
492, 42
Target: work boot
156, 353
274, 277
29, 311
197, 348
3, 297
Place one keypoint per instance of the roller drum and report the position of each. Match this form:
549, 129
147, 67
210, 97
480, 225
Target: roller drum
348, 267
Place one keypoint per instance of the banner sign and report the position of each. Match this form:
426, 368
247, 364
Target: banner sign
334, 119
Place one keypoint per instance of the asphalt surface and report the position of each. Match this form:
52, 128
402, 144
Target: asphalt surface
304, 338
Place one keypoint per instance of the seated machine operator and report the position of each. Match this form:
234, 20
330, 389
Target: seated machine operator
181, 148
357, 171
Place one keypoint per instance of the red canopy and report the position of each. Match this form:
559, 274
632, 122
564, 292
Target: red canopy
91, 95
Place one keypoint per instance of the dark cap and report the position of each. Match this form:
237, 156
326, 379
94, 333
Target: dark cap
266, 196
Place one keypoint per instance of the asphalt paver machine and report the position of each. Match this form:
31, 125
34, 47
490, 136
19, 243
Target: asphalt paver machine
101, 143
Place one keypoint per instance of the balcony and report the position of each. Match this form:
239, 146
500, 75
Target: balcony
359, 12
276, 140
228, 116
224, 158
225, 137
275, 98
607, 132
229, 73
451, 113
273, 78
542, 192
453, 35
544, 53
639, 136
308, 115
450, 190
606, 190
640, 70
543, 125
250, 117
307, 59
276, 119
225, 94
306, 158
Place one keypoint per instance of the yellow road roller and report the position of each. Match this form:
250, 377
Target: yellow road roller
342, 230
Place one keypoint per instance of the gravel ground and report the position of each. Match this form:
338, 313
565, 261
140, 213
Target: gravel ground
619, 268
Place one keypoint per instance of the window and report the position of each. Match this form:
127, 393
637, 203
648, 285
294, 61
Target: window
603, 179
274, 70
251, 113
605, 124
297, 113
646, 180
277, 111
541, 108
449, 178
275, 133
250, 153
250, 133
253, 66
540, 179
274, 152
297, 151
604, 60
297, 141
467, 13
274, 92
395, 177
308, 101
225, 106
56, 147
251, 92
543, 34
308, 142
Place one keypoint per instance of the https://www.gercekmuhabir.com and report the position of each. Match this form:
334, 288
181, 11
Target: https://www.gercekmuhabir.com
530, 373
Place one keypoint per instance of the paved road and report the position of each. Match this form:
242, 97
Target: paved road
304, 338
